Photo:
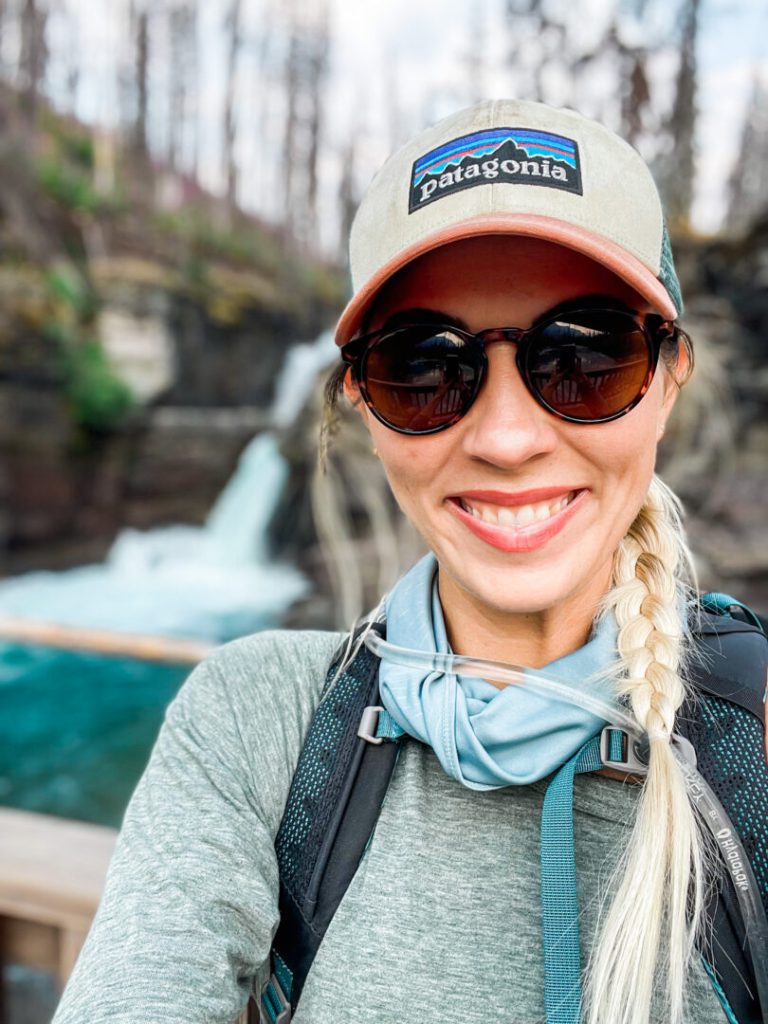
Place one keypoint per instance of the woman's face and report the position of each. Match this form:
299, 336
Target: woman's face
523, 510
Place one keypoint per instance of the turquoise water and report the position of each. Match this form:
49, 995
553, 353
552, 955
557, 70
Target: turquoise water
76, 730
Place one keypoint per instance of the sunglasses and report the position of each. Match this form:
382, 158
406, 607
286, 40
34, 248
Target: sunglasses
585, 366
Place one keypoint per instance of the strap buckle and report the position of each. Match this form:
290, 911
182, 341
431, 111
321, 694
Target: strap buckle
276, 1007
369, 723
631, 757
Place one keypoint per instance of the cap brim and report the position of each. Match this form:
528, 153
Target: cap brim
626, 266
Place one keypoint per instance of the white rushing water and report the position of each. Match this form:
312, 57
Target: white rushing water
212, 582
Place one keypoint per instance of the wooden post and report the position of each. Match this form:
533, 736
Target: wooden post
52, 872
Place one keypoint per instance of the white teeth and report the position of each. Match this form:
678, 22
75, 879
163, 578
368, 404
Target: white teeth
525, 515
516, 515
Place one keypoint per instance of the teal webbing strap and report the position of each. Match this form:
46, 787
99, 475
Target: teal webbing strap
721, 604
730, 1015
559, 903
276, 994
387, 728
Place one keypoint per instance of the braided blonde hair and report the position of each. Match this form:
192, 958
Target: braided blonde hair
660, 893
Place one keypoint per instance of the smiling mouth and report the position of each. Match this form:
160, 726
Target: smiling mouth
516, 516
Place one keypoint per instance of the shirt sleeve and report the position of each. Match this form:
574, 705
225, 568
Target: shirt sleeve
191, 899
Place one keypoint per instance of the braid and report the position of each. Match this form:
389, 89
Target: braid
659, 894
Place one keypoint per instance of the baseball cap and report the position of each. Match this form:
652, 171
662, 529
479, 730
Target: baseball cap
508, 166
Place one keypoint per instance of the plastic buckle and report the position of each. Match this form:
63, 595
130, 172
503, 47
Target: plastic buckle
369, 723
632, 752
275, 1005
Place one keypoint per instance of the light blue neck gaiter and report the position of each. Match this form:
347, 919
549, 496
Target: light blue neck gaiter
485, 737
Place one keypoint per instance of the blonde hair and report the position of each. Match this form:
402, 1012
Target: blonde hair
660, 880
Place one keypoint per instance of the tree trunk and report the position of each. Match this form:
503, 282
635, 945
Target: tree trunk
748, 183
33, 57
681, 126
317, 77
292, 85
230, 115
141, 132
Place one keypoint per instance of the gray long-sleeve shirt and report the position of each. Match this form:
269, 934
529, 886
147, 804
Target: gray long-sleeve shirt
441, 924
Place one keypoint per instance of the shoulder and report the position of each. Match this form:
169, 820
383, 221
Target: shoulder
287, 659
263, 674
251, 701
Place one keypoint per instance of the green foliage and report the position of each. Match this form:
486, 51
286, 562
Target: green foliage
99, 400
68, 185
79, 149
245, 246
73, 141
70, 288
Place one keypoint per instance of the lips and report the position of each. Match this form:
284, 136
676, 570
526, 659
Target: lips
518, 522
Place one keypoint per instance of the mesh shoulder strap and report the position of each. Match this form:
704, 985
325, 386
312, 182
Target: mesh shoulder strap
333, 804
724, 720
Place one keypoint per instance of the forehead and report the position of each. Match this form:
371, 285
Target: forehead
495, 280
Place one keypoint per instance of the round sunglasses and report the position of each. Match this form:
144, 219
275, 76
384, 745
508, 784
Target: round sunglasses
585, 366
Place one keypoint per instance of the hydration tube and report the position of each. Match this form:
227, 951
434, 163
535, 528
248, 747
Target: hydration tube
708, 807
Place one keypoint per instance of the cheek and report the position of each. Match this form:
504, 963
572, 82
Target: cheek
411, 463
624, 453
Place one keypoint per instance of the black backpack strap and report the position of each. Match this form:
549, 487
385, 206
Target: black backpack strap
333, 805
725, 720
733, 656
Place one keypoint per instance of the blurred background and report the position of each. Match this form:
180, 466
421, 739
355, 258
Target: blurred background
177, 181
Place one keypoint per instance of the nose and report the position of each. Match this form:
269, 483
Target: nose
506, 426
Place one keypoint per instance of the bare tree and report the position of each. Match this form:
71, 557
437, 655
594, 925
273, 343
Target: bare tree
292, 88
183, 73
317, 71
3, 27
348, 195
33, 56
634, 87
305, 77
680, 167
748, 184
141, 79
234, 43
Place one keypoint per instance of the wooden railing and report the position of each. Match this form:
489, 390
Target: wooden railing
51, 876
173, 650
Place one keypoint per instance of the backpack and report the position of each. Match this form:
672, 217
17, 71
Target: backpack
346, 764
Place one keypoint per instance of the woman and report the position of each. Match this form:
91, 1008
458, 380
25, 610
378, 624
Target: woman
525, 458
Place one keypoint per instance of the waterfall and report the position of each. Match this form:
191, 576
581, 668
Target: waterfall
303, 363
211, 582
237, 524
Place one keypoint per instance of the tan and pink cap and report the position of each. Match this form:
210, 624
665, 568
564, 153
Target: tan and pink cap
513, 167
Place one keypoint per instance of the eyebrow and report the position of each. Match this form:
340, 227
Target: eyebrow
595, 301
418, 314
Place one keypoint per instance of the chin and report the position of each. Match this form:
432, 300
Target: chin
519, 591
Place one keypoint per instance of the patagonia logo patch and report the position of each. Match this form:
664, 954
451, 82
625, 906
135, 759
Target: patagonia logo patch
519, 155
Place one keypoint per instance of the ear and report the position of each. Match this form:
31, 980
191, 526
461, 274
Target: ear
669, 397
353, 396
351, 390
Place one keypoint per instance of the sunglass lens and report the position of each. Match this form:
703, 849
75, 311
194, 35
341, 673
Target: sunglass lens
422, 379
590, 366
